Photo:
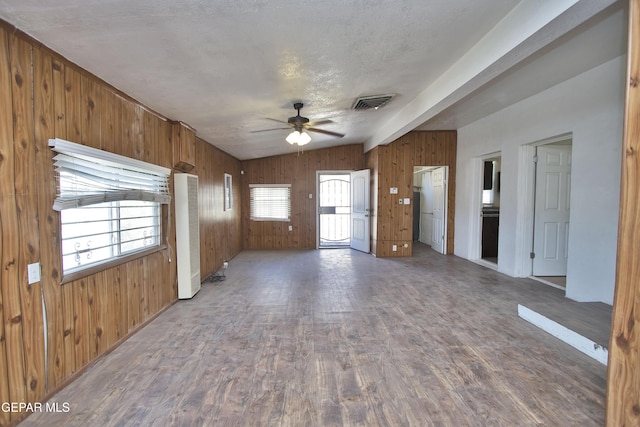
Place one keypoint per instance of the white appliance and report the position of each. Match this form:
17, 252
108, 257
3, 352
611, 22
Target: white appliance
187, 234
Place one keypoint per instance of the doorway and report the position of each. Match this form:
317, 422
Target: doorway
490, 212
551, 212
334, 209
430, 206
343, 210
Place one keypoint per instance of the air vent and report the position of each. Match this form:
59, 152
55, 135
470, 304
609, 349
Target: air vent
369, 102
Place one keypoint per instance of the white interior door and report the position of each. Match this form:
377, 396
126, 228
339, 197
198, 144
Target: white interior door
360, 220
439, 229
551, 220
426, 209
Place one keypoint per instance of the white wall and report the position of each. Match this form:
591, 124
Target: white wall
589, 107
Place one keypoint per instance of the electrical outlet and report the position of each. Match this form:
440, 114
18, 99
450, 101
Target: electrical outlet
311, 195
394, 248
407, 201
393, 190
33, 272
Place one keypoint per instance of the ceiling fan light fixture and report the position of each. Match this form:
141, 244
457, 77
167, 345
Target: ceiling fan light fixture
293, 137
300, 138
304, 138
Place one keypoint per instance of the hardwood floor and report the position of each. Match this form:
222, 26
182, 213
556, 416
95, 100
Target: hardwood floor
337, 337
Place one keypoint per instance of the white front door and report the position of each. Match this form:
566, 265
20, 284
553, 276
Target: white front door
360, 220
439, 229
551, 220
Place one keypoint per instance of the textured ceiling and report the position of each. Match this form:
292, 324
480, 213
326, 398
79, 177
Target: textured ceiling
224, 67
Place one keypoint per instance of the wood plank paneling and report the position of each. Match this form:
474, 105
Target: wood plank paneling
44, 111
299, 170
623, 383
27, 215
134, 269
90, 104
68, 363
81, 321
393, 166
43, 96
217, 224
73, 104
12, 384
184, 146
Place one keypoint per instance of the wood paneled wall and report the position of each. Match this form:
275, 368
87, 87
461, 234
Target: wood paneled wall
299, 170
220, 234
623, 376
393, 166
44, 96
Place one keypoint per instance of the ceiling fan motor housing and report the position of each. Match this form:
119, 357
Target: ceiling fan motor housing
297, 121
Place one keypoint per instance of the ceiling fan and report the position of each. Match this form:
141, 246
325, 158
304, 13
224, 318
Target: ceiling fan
299, 125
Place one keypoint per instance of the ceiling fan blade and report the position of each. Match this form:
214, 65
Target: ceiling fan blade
276, 120
326, 132
319, 122
268, 130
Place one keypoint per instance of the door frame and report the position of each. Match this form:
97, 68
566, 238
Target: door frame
317, 203
446, 199
445, 213
475, 227
421, 170
526, 203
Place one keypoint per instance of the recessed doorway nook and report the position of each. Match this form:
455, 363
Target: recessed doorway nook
430, 185
486, 202
545, 198
334, 209
490, 212
343, 210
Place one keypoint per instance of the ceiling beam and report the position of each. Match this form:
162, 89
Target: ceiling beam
529, 27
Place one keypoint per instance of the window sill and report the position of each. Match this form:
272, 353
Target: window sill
70, 277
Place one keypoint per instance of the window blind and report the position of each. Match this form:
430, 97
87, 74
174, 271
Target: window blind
270, 202
88, 176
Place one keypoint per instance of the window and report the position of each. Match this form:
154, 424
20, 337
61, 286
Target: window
270, 202
110, 205
100, 232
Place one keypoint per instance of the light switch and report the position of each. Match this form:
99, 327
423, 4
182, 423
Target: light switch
394, 248
33, 272
291, 228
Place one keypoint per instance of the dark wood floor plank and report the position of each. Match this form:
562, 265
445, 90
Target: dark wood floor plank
340, 338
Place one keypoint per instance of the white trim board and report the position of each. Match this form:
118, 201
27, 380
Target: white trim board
577, 341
